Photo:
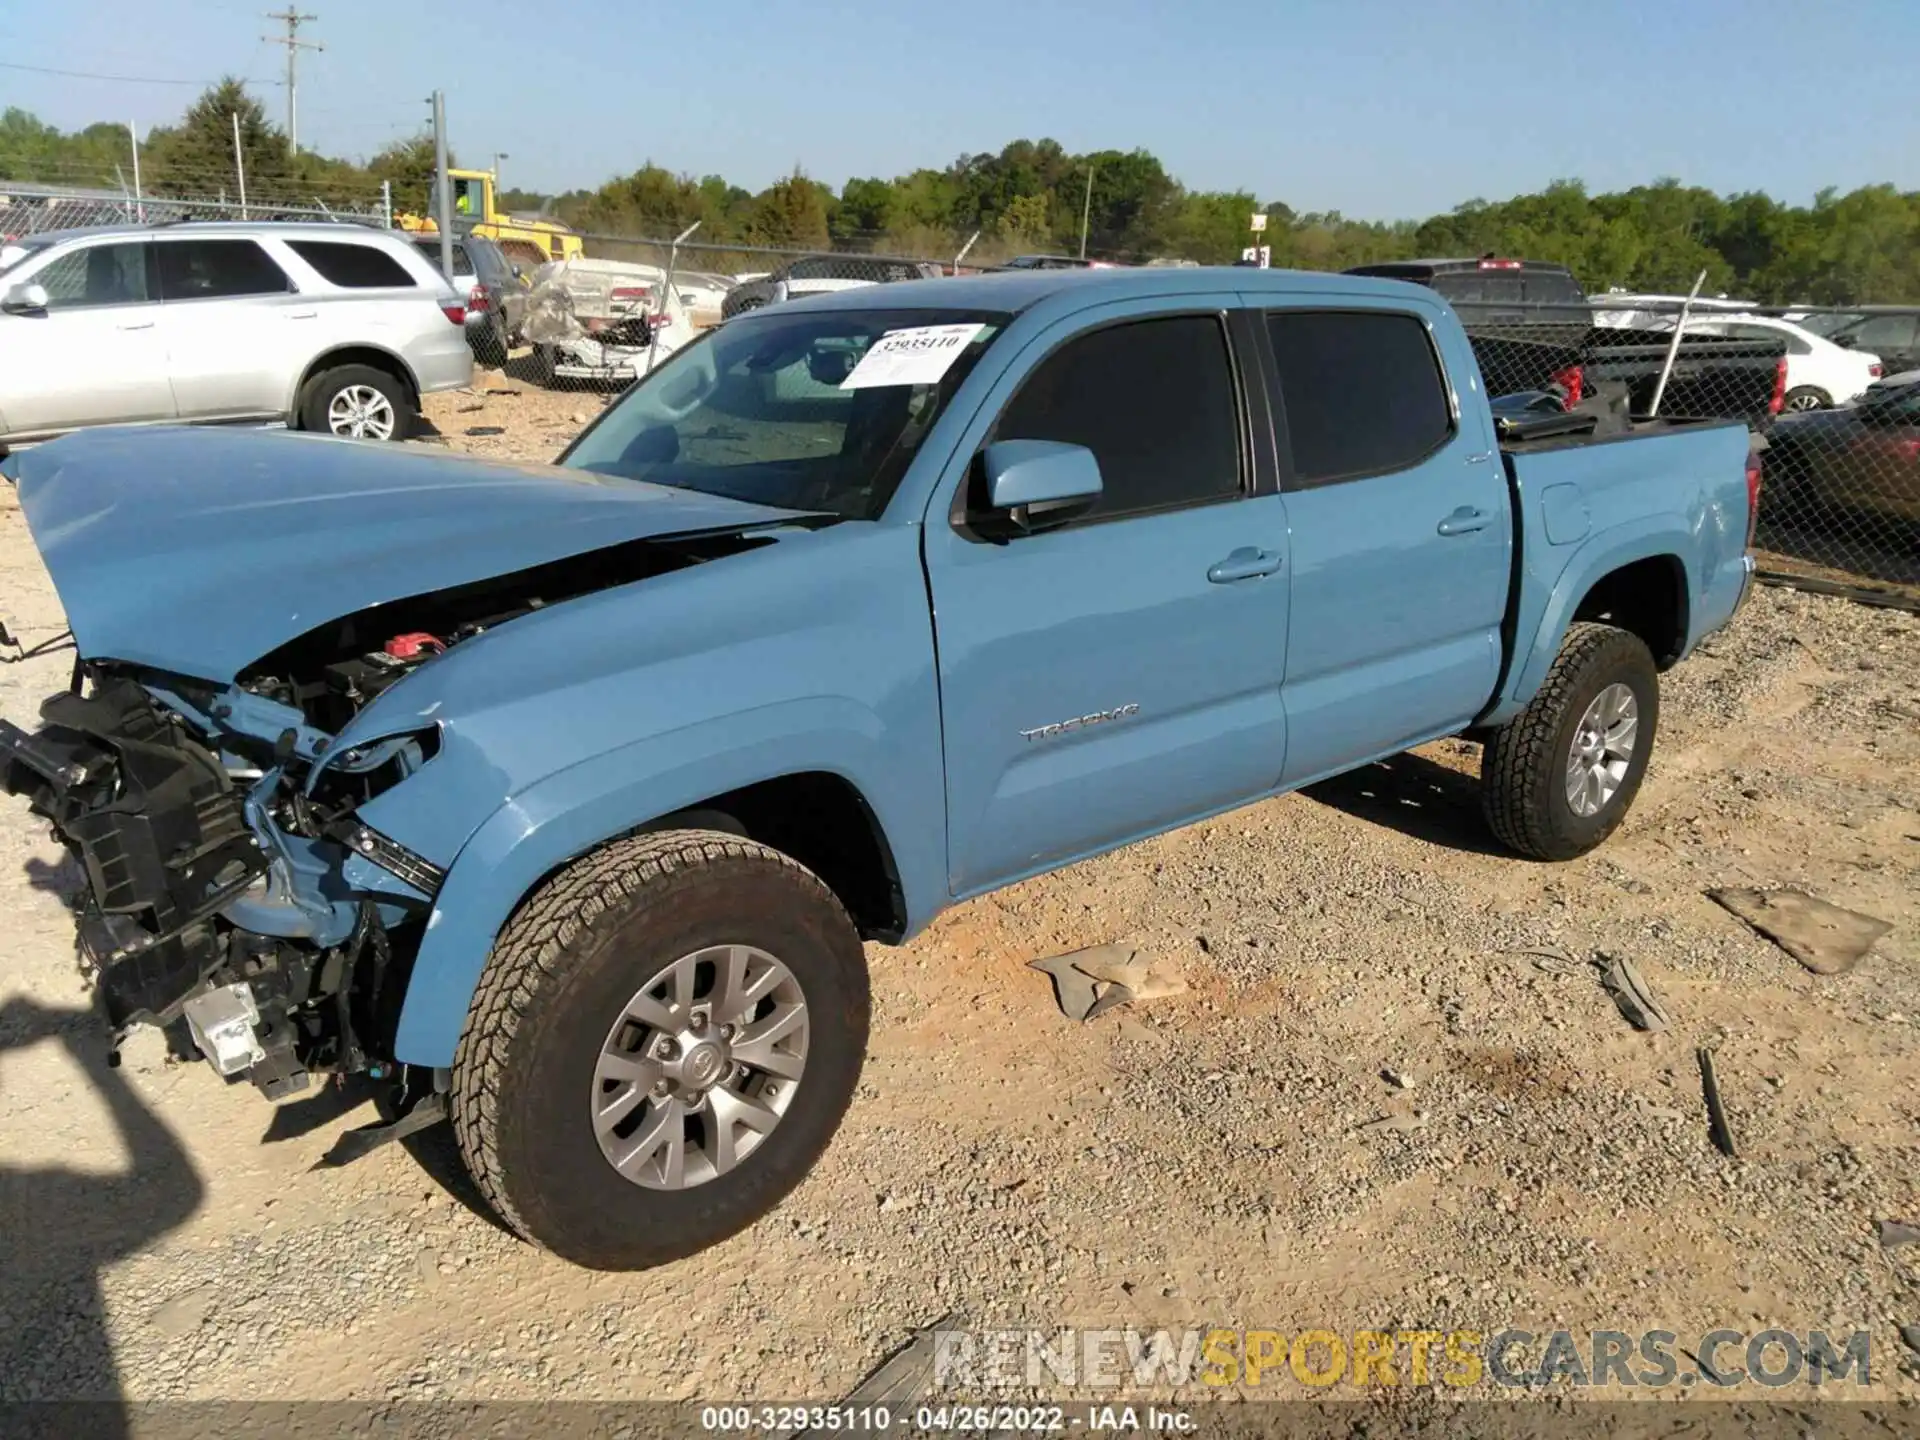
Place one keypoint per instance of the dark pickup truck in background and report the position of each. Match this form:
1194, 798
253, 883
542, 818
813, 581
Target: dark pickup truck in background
1532, 328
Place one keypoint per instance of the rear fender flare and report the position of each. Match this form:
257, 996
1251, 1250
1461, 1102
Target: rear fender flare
582, 807
1599, 556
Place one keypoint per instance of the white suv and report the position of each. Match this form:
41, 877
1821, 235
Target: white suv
335, 328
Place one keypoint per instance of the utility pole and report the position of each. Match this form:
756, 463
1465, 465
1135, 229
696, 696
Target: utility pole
443, 192
293, 20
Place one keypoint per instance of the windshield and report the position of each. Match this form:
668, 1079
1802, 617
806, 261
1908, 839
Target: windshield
778, 408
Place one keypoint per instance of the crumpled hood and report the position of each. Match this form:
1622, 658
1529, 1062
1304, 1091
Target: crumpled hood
199, 551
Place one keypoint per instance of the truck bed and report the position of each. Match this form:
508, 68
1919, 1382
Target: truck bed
1713, 379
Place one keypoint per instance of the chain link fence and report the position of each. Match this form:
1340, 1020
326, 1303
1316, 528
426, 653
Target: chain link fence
1831, 397
29, 210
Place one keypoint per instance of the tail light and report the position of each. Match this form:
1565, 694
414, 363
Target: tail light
478, 301
1779, 387
456, 313
1875, 371
1753, 495
1490, 263
633, 295
1572, 380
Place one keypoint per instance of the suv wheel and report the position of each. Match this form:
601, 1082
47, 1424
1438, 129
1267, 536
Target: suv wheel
662, 1043
358, 402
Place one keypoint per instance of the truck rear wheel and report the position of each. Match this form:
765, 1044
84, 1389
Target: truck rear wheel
663, 1041
1559, 777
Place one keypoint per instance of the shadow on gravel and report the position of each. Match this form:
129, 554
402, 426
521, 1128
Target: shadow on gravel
1416, 796
60, 1228
434, 1149
63, 877
291, 1119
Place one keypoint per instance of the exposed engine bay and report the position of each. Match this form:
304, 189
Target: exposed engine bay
233, 897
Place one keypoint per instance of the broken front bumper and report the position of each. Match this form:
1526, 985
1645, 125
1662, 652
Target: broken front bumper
156, 827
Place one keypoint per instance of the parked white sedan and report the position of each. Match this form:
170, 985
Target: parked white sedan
1820, 374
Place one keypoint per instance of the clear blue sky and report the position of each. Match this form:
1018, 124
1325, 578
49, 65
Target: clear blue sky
1378, 108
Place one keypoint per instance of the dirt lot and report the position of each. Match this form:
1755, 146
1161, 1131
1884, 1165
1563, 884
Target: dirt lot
1373, 1109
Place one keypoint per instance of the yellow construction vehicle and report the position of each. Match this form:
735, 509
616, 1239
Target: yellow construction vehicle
529, 241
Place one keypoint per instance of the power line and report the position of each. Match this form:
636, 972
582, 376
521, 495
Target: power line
120, 79
293, 20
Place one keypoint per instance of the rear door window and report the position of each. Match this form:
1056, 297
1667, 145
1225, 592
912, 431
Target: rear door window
97, 275
1154, 400
218, 270
350, 266
1362, 391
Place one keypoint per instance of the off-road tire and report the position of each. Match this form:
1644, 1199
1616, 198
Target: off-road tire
329, 383
1524, 766
559, 974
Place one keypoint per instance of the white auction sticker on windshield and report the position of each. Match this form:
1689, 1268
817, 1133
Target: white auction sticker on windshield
919, 356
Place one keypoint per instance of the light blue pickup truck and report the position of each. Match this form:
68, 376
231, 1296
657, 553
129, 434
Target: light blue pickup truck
559, 799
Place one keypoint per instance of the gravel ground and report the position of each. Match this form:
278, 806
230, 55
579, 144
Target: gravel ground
1373, 1109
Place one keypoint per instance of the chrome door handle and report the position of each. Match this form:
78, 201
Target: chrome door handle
1464, 521
1245, 563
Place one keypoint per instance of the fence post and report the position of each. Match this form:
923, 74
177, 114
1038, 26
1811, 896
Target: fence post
443, 190
386, 201
963, 251
666, 298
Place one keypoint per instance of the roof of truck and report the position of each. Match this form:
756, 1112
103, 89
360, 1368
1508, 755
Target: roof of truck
1016, 290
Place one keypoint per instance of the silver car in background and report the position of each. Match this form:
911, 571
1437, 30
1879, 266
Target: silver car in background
336, 328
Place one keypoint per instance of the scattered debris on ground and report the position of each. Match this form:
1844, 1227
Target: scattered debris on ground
1719, 1128
1825, 938
1088, 983
1638, 1004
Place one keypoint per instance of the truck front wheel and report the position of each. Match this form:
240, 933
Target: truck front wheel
663, 1041
1559, 777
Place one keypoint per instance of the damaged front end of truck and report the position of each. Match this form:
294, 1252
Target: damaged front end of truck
242, 606
231, 897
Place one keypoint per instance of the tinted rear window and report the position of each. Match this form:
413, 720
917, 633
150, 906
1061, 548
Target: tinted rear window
1362, 392
462, 261
350, 266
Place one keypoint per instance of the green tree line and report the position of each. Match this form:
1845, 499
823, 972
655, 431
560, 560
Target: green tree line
1035, 195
